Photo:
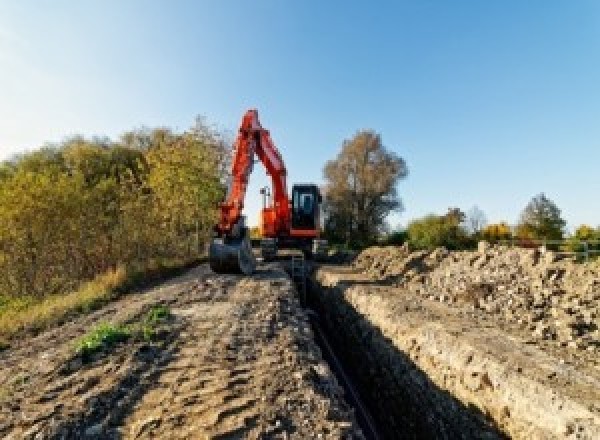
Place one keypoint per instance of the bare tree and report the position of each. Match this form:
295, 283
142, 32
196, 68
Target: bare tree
475, 220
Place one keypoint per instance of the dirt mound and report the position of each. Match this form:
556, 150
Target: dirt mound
555, 299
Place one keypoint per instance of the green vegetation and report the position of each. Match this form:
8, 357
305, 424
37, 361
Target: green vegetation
103, 336
541, 219
79, 209
360, 190
107, 335
33, 314
496, 232
147, 328
439, 230
584, 240
395, 238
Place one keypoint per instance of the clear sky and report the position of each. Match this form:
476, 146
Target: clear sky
489, 102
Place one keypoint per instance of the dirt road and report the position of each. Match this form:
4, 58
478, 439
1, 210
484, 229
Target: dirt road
235, 360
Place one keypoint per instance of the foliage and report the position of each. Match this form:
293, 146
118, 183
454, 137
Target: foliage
541, 219
586, 233
32, 314
434, 231
155, 316
585, 237
496, 232
397, 237
76, 210
255, 233
105, 335
360, 189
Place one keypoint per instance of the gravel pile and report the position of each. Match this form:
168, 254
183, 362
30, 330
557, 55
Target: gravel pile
555, 299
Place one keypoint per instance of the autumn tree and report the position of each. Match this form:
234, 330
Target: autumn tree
584, 237
541, 219
360, 189
586, 233
496, 232
69, 212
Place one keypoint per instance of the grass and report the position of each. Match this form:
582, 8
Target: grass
19, 315
104, 336
147, 328
107, 335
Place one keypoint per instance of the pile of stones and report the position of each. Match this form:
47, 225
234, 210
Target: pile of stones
554, 298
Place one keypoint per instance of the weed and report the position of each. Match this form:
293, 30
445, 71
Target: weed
155, 316
104, 336
21, 379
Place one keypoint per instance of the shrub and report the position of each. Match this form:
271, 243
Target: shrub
435, 231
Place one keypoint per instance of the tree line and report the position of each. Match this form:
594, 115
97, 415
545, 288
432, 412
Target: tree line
540, 222
71, 211
361, 190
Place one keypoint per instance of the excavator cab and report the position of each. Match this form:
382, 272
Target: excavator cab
306, 202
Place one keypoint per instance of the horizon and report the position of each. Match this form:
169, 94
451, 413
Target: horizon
488, 104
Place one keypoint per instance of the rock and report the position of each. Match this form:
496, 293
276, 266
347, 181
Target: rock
550, 257
94, 430
145, 425
483, 247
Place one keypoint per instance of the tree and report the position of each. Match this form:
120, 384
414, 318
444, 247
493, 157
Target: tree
475, 220
70, 212
396, 237
541, 219
360, 189
586, 233
434, 231
496, 232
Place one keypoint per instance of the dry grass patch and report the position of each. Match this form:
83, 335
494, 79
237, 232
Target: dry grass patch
30, 314
20, 315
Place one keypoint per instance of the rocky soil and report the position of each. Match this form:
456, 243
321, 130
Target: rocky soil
476, 344
557, 301
235, 360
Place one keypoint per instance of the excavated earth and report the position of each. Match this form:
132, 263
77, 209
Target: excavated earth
235, 360
493, 343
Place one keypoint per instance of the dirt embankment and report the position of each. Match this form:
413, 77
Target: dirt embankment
451, 344
555, 300
235, 360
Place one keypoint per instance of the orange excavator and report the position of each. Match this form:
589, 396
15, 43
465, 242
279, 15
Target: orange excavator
285, 223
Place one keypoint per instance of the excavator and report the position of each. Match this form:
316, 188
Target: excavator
285, 222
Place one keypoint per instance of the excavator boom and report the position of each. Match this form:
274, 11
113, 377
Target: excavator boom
230, 251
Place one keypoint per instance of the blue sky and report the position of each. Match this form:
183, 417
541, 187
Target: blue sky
489, 102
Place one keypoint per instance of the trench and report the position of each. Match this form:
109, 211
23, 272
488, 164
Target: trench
391, 396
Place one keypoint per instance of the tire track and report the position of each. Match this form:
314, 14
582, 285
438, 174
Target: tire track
239, 361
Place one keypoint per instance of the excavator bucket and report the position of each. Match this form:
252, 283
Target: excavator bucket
232, 255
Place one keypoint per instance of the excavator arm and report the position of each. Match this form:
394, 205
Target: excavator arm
230, 251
